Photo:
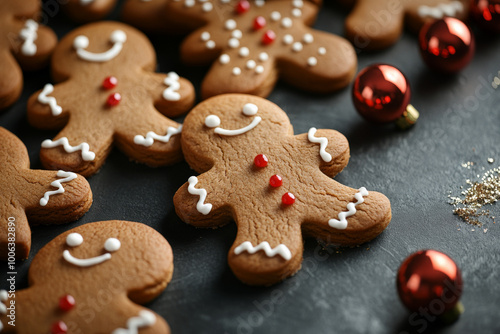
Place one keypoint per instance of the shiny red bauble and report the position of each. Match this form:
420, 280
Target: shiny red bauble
429, 279
381, 93
486, 14
446, 45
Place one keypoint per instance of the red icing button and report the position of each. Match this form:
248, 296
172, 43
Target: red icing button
259, 23
242, 7
268, 37
66, 303
288, 199
114, 99
276, 181
109, 83
59, 328
260, 161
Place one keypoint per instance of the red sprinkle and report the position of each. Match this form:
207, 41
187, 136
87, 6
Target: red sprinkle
288, 199
109, 83
260, 161
276, 181
59, 328
66, 303
242, 7
259, 23
268, 37
114, 99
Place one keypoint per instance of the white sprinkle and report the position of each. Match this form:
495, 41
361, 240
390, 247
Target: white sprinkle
259, 3
224, 59
275, 16
298, 3
230, 24
297, 46
251, 64
312, 61
205, 36
207, 7
263, 56
189, 3
259, 69
210, 45
225, 1
233, 43
237, 34
244, 52
236, 70
322, 51
286, 22
288, 39
296, 12
308, 38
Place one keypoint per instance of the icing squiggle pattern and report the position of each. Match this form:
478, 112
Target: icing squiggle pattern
3, 308
441, 10
44, 98
152, 136
323, 141
29, 35
87, 155
281, 250
118, 37
201, 206
172, 92
67, 177
145, 319
341, 223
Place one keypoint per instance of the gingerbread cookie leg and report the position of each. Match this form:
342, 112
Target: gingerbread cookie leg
174, 95
15, 233
36, 43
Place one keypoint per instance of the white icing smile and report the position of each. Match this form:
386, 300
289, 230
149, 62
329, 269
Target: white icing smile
76, 239
281, 250
249, 109
118, 37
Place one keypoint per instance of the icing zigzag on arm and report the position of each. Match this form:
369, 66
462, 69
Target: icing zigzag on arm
341, 224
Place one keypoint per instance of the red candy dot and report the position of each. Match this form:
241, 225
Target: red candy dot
59, 328
114, 99
109, 83
242, 7
276, 181
260, 161
66, 303
288, 199
259, 23
268, 37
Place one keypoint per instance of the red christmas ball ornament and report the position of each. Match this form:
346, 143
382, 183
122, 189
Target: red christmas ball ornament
431, 281
381, 94
446, 45
486, 13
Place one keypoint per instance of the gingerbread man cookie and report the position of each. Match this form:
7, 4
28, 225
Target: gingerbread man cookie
88, 10
276, 186
253, 43
378, 24
92, 279
109, 94
37, 196
24, 43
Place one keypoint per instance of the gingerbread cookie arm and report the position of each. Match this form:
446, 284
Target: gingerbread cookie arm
200, 201
202, 47
346, 216
36, 43
11, 79
14, 229
48, 107
144, 321
89, 10
148, 16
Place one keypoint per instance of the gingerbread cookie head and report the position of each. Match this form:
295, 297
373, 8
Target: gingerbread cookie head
274, 185
378, 24
37, 196
88, 10
110, 95
253, 43
23, 44
93, 278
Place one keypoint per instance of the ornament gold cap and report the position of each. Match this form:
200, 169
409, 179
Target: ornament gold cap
452, 315
409, 118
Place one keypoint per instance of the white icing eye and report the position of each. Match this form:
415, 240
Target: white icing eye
212, 121
250, 109
112, 245
81, 42
118, 36
74, 239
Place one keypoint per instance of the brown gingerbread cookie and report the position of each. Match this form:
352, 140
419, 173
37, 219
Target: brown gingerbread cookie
274, 185
378, 24
88, 10
23, 42
253, 43
109, 94
37, 196
92, 279
149, 16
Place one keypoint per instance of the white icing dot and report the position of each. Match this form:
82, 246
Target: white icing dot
224, 59
189, 3
212, 121
322, 51
312, 61
205, 36
244, 52
207, 7
297, 46
81, 42
4, 295
275, 16
210, 45
233, 43
237, 34
236, 71
259, 69
250, 109
230, 24
286, 22
225, 1
298, 3
118, 36
259, 3
263, 56
74, 239
308, 38
112, 245
296, 12
288, 39
251, 64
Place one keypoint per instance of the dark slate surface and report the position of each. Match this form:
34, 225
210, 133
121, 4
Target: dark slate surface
348, 292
